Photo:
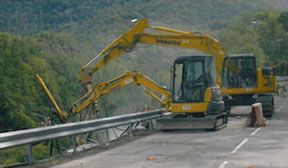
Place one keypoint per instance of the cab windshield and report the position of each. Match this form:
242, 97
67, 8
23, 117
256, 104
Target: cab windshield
239, 72
191, 79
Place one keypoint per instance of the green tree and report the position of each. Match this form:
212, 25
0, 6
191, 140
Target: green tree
283, 19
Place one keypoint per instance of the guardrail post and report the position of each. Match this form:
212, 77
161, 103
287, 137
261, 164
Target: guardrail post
150, 125
107, 115
74, 143
29, 153
131, 130
107, 135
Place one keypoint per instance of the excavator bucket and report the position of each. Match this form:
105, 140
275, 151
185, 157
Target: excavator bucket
176, 122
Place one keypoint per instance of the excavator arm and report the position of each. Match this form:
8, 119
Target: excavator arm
119, 82
101, 89
175, 38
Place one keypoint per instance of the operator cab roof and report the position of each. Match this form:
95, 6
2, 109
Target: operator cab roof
192, 57
242, 55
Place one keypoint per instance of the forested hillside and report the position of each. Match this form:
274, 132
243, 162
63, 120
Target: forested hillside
265, 34
96, 23
21, 59
29, 17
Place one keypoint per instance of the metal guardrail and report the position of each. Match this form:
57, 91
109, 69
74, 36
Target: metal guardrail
282, 78
22, 137
30, 136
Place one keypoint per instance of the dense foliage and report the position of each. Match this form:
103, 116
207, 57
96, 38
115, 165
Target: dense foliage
21, 59
264, 34
99, 22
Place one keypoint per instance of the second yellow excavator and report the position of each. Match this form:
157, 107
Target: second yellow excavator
244, 84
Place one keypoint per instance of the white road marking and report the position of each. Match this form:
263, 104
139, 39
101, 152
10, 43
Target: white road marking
240, 145
255, 132
280, 108
223, 164
258, 129
246, 139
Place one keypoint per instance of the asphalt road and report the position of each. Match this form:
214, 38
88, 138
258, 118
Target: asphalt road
231, 147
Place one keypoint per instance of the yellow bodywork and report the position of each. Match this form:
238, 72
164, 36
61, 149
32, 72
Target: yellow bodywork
265, 84
189, 107
197, 107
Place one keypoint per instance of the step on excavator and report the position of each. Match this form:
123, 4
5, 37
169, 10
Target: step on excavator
194, 100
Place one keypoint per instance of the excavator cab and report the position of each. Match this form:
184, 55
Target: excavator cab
244, 84
196, 99
194, 87
192, 75
239, 71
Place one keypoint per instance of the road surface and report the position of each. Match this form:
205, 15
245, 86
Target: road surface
231, 147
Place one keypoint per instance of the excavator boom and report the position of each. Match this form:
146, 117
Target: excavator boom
120, 45
175, 38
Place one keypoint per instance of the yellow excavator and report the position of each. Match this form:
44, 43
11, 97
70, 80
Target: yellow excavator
194, 98
244, 84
